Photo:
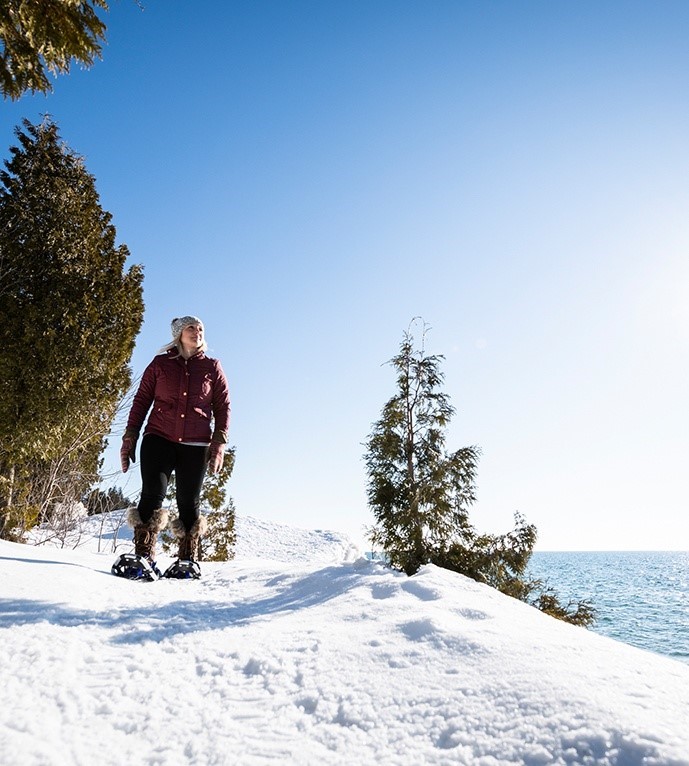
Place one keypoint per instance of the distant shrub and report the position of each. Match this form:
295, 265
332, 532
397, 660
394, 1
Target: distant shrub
580, 613
98, 501
219, 541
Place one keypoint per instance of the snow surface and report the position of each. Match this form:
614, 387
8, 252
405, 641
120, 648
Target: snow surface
301, 652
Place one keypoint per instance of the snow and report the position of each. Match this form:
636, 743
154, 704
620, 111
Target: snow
302, 652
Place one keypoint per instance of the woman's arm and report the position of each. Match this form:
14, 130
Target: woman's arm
221, 406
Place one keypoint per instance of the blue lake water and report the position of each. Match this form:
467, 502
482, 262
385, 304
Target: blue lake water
641, 598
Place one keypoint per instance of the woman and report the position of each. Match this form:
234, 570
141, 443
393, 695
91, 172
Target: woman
186, 430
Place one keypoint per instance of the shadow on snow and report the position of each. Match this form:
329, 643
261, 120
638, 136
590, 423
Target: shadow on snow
158, 622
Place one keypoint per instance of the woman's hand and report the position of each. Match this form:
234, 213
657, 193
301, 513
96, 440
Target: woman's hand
216, 454
128, 450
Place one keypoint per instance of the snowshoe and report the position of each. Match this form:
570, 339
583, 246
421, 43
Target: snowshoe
133, 567
183, 570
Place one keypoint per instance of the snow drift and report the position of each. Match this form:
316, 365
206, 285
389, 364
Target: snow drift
300, 652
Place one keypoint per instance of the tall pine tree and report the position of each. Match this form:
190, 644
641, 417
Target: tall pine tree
70, 315
37, 38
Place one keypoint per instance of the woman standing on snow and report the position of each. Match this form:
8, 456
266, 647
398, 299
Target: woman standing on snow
189, 394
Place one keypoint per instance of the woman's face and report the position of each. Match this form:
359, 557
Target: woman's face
192, 336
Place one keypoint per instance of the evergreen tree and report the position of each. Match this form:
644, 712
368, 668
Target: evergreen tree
220, 538
71, 313
419, 494
45, 36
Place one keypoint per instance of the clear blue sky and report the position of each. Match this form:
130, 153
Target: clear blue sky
308, 176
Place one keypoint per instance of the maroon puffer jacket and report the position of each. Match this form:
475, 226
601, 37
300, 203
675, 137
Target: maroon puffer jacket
187, 396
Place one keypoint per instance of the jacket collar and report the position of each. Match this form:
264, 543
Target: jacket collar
172, 353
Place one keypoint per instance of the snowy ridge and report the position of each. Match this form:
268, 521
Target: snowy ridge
110, 533
305, 655
280, 542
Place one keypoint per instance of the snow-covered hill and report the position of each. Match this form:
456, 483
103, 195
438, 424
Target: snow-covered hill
300, 652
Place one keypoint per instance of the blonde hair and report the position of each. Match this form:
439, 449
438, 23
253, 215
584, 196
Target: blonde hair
176, 344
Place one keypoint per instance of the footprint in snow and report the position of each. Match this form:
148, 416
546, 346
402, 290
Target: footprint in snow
384, 590
421, 591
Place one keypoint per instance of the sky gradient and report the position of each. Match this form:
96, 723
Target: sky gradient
308, 177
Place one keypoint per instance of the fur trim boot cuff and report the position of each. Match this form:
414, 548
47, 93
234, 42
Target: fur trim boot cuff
157, 522
198, 528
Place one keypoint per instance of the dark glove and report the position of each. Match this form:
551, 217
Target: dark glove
216, 454
128, 449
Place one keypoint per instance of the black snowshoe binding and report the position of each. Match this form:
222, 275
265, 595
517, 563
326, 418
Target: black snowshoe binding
133, 567
183, 570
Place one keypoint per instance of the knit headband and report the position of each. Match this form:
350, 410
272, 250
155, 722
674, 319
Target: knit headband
179, 323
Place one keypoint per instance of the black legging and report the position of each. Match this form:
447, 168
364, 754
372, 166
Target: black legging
159, 458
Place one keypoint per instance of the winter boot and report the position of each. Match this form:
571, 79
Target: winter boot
141, 564
146, 535
189, 540
186, 565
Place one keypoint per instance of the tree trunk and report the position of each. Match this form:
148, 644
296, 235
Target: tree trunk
6, 492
